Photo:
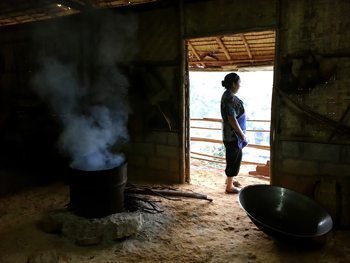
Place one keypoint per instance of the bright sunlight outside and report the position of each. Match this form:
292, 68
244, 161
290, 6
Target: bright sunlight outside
205, 96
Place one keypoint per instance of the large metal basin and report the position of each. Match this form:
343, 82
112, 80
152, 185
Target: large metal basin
283, 213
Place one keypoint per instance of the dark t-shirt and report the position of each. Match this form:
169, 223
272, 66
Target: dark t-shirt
231, 105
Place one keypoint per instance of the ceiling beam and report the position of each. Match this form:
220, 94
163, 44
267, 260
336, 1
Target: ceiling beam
72, 4
235, 62
210, 54
247, 46
8, 10
223, 47
195, 53
90, 3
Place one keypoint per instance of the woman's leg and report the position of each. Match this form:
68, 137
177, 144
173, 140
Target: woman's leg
233, 163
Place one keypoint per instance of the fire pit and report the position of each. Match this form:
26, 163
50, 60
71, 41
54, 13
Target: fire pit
96, 194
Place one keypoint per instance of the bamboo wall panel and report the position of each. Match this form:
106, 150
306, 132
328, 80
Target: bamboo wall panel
208, 17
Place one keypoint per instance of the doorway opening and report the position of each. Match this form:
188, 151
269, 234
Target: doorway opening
251, 55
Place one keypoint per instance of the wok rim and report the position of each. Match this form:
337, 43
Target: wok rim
276, 229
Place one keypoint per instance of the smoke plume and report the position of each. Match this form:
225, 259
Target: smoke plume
94, 115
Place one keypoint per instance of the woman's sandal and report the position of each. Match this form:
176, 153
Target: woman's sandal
235, 183
233, 190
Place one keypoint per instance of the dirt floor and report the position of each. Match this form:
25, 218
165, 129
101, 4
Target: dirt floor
188, 230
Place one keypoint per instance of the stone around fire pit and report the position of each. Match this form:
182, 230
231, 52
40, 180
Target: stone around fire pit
85, 232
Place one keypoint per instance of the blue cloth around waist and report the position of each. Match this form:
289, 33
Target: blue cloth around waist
242, 121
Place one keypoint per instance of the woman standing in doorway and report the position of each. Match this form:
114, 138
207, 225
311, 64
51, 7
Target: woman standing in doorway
234, 127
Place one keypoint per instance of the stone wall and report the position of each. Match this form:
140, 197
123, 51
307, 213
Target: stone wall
153, 152
311, 141
154, 157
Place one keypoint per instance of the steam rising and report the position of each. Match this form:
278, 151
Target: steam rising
94, 116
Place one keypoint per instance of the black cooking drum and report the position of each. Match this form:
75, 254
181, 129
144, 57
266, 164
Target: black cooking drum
95, 194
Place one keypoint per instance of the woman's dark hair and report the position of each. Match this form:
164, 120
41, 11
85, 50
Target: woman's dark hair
229, 80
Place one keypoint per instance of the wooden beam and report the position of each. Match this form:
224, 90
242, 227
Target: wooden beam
8, 10
203, 159
219, 129
235, 62
160, 192
205, 128
207, 119
195, 53
220, 120
210, 54
247, 46
207, 155
219, 158
90, 3
223, 47
71, 4
260, 147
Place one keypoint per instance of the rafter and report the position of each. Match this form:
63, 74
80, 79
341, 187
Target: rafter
223, 47
195, 53
210, 54
72, 4
238, 61
247, 46
8, 10
90, 3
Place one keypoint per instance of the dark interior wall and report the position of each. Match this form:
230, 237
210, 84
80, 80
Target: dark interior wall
311, 143
154, 70
29, 127
150, 62
203, 18
155, 124
215, 17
